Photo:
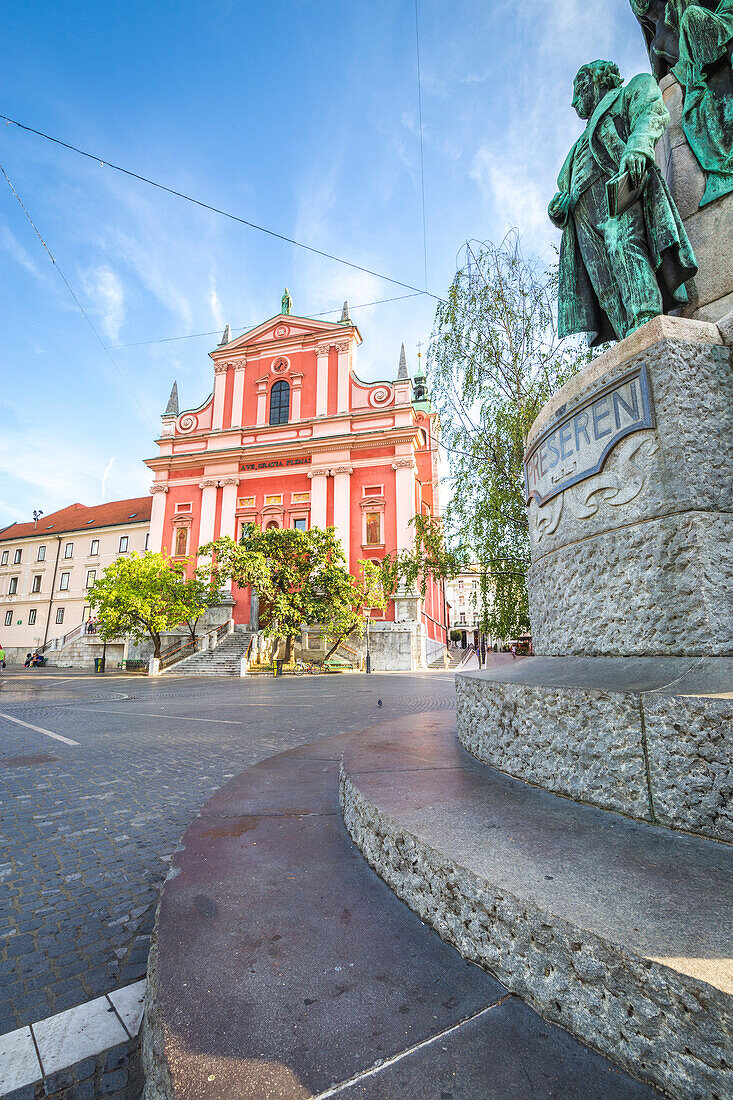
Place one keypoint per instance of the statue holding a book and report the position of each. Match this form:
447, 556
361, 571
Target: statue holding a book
625, 256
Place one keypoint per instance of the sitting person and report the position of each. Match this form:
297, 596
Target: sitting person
28, 659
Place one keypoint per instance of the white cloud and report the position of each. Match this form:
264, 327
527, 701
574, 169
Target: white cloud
105, 475
518, 198
215, 302
10, 244
105, 290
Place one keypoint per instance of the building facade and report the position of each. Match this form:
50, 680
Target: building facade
291, 437
464, 597
47, 567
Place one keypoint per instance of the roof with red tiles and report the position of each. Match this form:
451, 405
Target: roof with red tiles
77, 517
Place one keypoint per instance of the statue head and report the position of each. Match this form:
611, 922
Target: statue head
592, 82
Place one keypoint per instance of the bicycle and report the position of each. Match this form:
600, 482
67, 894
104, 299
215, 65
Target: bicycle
303, 667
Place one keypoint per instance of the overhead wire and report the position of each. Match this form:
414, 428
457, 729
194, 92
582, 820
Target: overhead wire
217, 210
70, 289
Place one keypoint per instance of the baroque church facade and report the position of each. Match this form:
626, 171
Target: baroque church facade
290, 436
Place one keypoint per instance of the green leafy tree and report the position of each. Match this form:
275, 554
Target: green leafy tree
146, 596
299, 576
494, 360
428, 558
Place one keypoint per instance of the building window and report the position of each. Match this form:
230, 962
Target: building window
69, 550
300, 524
8, 618
183, 507
91, 575
147, 540
17, 557
462, 620
36, 586
32, 617
13, 586
373, 491
124, 540
60, 615
4, 558
94, 548
64, 582
41, 555
373, 532
280, 402
85, 612
181, 542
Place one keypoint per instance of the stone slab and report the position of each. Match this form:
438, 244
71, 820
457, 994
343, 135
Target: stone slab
19, 1064
501, 1055
128, 1003
281, 965
648, 737
618, 930
77, 1033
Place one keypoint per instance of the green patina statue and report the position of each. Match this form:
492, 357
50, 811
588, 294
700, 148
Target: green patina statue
693, 39
625, 256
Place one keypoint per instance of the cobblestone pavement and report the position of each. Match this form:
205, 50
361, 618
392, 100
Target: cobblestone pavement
86, 832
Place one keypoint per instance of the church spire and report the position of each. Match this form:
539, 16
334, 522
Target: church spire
171, 408
402, 372
226, 338
286, 305
345, 318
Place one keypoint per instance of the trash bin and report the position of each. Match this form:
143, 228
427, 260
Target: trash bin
277, 668
99, 664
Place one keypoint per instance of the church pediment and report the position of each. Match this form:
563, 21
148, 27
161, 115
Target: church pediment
285, 327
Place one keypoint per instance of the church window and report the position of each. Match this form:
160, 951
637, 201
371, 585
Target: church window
373, 526
300, 524
280, 402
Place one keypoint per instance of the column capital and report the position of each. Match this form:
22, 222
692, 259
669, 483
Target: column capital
342, 470
317, 473
221, 368
323, 349
209, 483
156, 488
230, 481
403, 464
342, 346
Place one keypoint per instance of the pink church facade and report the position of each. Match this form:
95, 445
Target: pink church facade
291, 437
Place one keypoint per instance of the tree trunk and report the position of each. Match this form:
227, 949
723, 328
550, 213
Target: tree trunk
156, 643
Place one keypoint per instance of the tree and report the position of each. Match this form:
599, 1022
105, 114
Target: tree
428, 558
299, 576
494, 360
147, 595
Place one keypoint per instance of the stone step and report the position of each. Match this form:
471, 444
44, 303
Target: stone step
618, 930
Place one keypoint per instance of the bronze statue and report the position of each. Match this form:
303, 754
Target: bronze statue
625, 256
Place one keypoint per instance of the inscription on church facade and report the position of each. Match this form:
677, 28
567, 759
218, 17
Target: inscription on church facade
273, 462
577, 443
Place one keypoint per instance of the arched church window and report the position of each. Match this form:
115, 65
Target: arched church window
280, 402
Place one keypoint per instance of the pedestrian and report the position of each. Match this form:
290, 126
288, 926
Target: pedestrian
2, 657
27, 662
483, 650
514, 651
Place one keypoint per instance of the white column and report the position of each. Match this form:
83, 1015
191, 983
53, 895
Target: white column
318, 497
209, 489
157, 518
342, 400
404, 501
228, 506
342, 507
296, 385
220, 381
238, 394
322, 380
261, 401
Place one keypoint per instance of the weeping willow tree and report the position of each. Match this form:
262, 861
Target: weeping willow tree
494, 360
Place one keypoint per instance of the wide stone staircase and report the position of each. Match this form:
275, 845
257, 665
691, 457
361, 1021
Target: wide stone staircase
224, 660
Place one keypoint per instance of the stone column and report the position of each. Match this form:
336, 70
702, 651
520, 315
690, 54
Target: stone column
318, 497
322, 379
220, 382
342, 507
261, 401
238, 394
208, 510
342, 401
157, 518
404, 500
296, 384
228, 506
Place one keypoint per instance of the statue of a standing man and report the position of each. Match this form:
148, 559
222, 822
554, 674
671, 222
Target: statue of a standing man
620, 265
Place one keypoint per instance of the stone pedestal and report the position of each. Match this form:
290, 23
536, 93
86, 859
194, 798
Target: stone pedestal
634, 560
710, 229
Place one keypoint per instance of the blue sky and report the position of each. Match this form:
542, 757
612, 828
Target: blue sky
301, 117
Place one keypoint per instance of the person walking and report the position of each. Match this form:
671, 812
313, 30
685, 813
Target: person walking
2, 657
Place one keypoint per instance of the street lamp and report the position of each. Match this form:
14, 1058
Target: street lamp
368, 654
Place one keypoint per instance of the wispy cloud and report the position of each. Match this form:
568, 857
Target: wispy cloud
9, 243
214, 301
105, 475
105, 290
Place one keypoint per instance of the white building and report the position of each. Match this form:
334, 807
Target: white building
46, 568
463, 594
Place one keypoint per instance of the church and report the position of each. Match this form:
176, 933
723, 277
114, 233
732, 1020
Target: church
290, 436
